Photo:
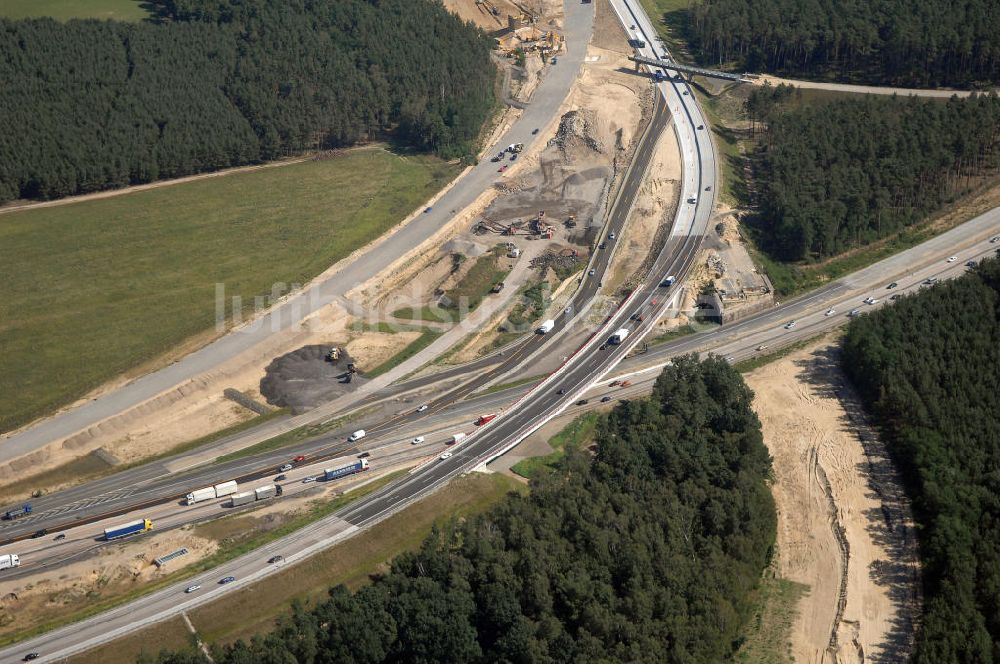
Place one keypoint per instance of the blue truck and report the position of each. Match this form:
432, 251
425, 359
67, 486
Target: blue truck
345, 470
126, 529
659, 75
23, 510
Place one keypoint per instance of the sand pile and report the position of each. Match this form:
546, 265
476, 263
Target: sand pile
582, 133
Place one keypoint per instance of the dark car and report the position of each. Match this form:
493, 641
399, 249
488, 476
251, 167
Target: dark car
534, 131
364, 455
60, 536
896, 296
605, 399
891, 286
40, 533
561, 391
602, 245
226, 579
581, 402
30, 656
281, 477
426, 210
276, 559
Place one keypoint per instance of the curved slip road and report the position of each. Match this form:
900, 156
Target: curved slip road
545, 103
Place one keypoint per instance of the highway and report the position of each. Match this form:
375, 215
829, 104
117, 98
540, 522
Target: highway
543, 108
574, 379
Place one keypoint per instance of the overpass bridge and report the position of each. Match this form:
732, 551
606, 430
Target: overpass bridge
699, 71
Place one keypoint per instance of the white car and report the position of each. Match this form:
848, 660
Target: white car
871, 300
831, 311
422, 408
952, 259
417, 440
284, 468
356, 436
446, 455
191, 589
790, 325
611, 236
995, 239
854, 312
761, 347
307, 480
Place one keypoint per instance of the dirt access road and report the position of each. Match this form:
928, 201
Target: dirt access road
844, 525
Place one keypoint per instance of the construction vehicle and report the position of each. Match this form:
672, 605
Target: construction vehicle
497, 287
334, 354
571, 221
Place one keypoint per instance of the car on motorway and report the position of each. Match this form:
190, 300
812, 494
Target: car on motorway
446, 455
422, 408
284, 467
426, 210
853, 313
513, 157
930, 281
761, 347
60, 536
614, 383
708, 188
831, 311
638, 317
276, 559
30, 656
356, 436
605, 399
701, 126
789, 325
603, 347
891, 286
561, 391
970, 264
299, 459
417, 440
502, 168
871, 300
686, 92
534, 131
692, 199
191, 589
896, 296
952, 259
307, 480
582, 402
40, 533
995, 239
364, 455
591, 272
612, 236
226, 579
281, 477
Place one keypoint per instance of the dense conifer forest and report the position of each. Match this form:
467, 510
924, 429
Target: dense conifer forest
912, 43
929, 368
646, 550
89, 105
835, 176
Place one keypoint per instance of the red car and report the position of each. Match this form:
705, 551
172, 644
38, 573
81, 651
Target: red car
298, 459
502, 168
483, 419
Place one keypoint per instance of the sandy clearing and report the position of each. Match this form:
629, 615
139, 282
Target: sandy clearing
822, 484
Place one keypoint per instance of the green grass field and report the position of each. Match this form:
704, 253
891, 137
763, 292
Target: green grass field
121, 10
96, 288
579, 432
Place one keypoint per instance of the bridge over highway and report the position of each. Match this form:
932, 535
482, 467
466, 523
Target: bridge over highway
699, 71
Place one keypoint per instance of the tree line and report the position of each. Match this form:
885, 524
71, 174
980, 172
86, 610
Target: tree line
90, 105
835, 176
646, 550
884, 42
929, 370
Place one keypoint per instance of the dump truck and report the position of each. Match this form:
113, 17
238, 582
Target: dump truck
9, 560
546, 327
15, 513
126, 529
347, 469
243, 498
619, 336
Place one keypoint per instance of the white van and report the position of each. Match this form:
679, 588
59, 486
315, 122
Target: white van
357, 435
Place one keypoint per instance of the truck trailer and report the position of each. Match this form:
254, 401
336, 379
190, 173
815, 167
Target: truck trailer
9, 560
23, 510
619, 336
243, 498
347, 469
264, 492
226, 489
455, 438
126, 529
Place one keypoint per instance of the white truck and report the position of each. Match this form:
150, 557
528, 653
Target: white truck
243, 498
264, 492
619, 336
9, 560
546, 327
208, 493
357, 435
455, 439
